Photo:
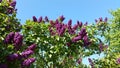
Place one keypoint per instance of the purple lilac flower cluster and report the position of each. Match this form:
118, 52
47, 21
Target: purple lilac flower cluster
91, 62
61, 27
82, 36
69, 26
101, 20
118, 60
13, 57
40, 19
18, 38
3, 66
0, 1
15, 38
58, 26
9, 38
12, 8
24, 55
62, 18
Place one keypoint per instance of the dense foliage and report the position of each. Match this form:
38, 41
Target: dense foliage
45, 43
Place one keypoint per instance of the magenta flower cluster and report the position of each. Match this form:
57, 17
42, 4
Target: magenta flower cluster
24, 55
3, 66
0, 1
11, 9
82, 36
40, 19
59, 28
118, 60
15, 38
101, 20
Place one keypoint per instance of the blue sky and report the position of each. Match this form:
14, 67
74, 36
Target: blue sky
82, 10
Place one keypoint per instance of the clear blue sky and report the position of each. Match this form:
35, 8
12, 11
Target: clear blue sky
83, 10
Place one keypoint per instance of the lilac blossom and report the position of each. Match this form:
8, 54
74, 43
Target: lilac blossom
70, 22
77, 38
26, 53
86, 23
40, 19
3, 66
70, 30
34, 19
9, 38
32, 47
118, 60
60, 28
100, 19
75, 27
17, 40
79, 24
83, 32
46, 19
62, 18
13, 4
13, 57
27, 62
106, 19
0, 1
86, 40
